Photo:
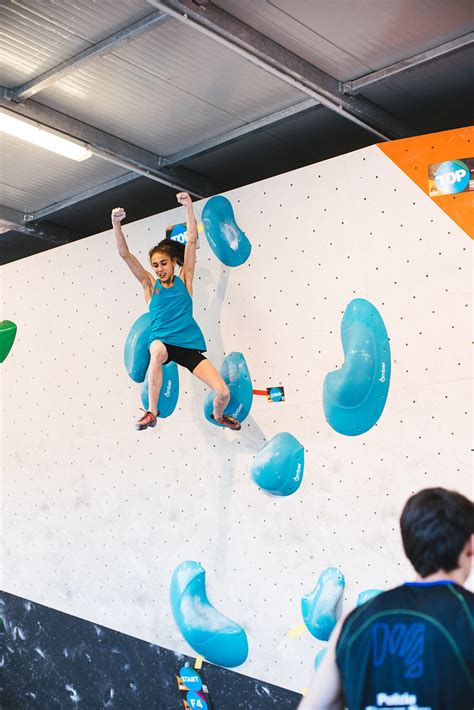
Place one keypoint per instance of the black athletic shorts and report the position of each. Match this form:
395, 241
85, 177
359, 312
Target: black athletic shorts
186, 357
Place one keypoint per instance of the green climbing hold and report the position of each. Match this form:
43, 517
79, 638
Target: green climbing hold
7, 336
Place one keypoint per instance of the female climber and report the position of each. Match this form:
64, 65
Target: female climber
175, 335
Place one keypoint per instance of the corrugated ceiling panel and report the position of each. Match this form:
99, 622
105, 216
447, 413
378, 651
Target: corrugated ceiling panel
136, 106
437, 95
206, 90
32, 177
291, 34
197, 65
39, 35
345, 36
303, 139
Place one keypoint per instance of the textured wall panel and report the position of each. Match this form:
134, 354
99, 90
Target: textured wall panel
97, 515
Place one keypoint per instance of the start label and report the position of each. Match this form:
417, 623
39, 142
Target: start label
193, 689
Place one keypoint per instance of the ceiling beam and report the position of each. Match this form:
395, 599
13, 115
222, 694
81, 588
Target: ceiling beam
14, 220
275, 59
237, 133
85, 195
113, 149
442, 50
181, 156
105, 46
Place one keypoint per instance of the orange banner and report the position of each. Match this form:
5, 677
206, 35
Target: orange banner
415, 155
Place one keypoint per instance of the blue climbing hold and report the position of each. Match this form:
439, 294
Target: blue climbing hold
236, 375
207, 631
367, 595
322, 608
226, 239
319, 657
354, 396
136, 353
169, 392
278, 467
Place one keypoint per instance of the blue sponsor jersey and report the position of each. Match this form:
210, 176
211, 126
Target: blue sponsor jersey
410, 647
172, 321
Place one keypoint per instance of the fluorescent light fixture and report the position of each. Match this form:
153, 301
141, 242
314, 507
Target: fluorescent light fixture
33, 132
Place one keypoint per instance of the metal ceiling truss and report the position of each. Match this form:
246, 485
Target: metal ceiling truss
114, 149
85, 195
442, 50
14, 220
237, 133
105, 46
176, 158
275, 59
222, 27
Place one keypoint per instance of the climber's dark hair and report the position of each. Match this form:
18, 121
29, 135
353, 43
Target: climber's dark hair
174, 249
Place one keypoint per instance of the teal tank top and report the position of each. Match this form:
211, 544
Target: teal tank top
172, 322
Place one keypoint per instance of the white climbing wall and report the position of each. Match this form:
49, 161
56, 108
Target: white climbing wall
96, 515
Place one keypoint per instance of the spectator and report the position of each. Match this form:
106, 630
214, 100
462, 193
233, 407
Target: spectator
411, 647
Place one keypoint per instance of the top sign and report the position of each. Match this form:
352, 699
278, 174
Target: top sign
451, 177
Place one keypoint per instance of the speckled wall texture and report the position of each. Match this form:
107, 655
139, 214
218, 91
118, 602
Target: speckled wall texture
53, 661
97, 515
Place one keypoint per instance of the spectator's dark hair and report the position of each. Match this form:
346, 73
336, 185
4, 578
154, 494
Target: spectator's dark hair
174, 249
435, 525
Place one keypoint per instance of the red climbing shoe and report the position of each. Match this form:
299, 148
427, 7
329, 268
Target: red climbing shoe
148, 420
229, 422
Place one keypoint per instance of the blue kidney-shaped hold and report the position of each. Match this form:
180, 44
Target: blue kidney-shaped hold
226, 239
354, 396
136, 353
367, 595
322, 608
235, 374
211, 634
169, 392
278, 467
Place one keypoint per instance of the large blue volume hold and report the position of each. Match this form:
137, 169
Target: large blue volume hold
278, 467
136, 353
354, 396
169, 392
322, 608
208, 632
226, 239
235, 374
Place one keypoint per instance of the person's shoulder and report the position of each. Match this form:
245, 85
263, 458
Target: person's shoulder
383, 599
375, 605
464, 590
415, 595
465, 593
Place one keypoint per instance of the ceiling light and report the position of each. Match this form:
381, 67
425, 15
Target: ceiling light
33, 132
